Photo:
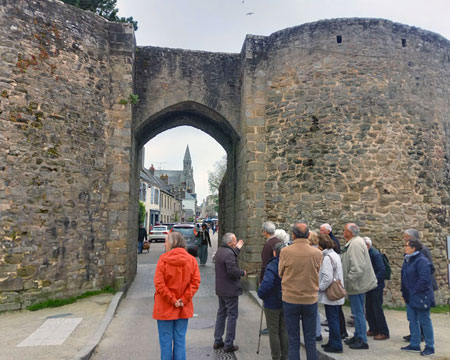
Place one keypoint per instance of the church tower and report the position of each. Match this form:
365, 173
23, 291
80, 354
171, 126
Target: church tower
188, 171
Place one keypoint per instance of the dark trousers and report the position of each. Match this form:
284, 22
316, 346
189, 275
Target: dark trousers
374, 312
278, 337
227, 312
332, 312
342, 326
140, 243
308, 314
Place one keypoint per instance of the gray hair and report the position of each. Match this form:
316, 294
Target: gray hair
282, 235
368, 241
354, 229
269, 227
176, 240
227, 238
327, 227
278, 247
413, 234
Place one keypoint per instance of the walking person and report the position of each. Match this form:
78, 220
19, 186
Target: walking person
177, 279
378, 327
204, 240
270, 291
228, 289
330, 270
359, 278
417, 291
141, 237
299, 271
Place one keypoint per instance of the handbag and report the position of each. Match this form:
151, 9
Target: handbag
335, 291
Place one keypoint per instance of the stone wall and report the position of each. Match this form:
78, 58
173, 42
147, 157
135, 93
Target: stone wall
64, 151
357, 131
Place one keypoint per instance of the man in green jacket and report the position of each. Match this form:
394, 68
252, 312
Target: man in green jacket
359, 278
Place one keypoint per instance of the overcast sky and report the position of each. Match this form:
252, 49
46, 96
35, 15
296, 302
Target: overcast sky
221, 26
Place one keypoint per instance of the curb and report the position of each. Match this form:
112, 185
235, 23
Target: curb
86, 352
321, 355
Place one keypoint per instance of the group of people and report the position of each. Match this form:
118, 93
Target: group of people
295, 276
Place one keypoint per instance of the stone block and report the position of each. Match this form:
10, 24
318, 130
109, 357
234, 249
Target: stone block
11, 284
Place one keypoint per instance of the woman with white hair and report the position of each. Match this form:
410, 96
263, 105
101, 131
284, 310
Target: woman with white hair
283, 236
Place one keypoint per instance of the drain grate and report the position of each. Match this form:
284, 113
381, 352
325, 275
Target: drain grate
208, 353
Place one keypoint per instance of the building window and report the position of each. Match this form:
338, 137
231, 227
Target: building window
156, 196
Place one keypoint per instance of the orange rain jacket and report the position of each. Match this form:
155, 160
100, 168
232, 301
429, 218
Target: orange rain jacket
176, 277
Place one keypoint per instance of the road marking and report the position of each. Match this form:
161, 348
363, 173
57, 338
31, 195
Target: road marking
51, 332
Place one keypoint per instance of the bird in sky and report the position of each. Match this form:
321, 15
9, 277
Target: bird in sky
250, 13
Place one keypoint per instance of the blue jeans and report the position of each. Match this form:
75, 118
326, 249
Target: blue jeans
417, 319
172, 339
318, 327
292, 314
140, 246
357, 307
334, 340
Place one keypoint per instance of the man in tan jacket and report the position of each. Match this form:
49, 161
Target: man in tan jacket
299, 272
359, 278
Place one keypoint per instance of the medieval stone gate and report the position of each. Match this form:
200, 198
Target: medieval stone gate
337, 121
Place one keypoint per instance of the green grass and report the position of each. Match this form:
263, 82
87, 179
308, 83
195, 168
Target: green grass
51, 303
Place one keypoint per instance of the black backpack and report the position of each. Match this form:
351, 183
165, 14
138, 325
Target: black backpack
387, 266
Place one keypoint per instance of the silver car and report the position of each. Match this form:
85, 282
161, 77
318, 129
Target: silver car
158, 232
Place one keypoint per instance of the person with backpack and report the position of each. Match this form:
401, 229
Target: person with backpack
378, 327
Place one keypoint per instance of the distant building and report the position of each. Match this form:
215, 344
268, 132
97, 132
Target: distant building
208, 207
161, 205
180, 182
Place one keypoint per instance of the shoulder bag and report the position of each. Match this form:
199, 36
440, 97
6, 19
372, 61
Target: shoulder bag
335, 291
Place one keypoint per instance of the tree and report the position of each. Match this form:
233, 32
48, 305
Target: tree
104, 8
141, 212
215, 177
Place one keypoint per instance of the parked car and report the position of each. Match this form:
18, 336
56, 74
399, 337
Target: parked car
169, 225
159, 232
190, 235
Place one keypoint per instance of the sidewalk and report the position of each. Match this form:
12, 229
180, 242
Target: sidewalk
387, 349
71, 326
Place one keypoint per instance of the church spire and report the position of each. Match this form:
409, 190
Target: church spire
187, 154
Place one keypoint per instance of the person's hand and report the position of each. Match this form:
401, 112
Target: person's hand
240, 244
245, 273
179, 303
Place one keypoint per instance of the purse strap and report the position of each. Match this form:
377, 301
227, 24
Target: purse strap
333, 264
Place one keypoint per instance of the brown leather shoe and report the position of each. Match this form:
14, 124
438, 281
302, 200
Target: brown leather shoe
370, 333
381, 337
218, 345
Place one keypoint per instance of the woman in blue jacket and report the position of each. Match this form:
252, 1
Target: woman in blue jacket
417, 290
270, 291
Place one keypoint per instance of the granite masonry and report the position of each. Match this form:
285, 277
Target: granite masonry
337, 121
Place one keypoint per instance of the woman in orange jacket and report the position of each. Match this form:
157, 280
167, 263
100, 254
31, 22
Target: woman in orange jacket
177, 279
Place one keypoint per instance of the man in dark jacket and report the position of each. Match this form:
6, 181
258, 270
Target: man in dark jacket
378, 327
270, 291
268, 230
142, 235
228, 289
